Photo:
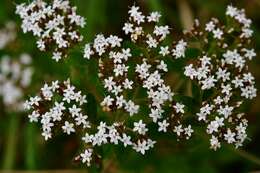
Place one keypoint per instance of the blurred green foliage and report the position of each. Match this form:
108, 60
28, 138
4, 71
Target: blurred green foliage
28, 151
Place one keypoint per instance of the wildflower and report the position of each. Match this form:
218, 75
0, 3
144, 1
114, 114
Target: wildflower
225, 73
7, 34
15, 77
49, 115
55, 25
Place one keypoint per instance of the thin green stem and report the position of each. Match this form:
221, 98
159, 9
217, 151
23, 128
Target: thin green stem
30, 147
10, 150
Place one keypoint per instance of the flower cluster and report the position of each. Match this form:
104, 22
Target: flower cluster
56, 25
133, 74
226, 73
149, 67
15, 77
116, 134
7, 34
58, 103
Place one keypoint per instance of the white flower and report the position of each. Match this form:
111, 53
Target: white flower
215, 144
120, 69
201, 116
163, 126
41, 45
154, 17
164, 51
162, 66
178, 130
128, 84
248, 92
47, 135
108, 101
179, 108
226, 89
128, 28
47, 92
144, 145
162, 31
120, 101
131, 107
179, 50
226, 111
155, 114
140, 127
100, 44
49, 116
223, 74
217, 33
208, 82
68, 128
152, 43
137, 16
231, 11
74, 111
247, 33
210, 26
188, 131
126, 140
109, 83
56, 56
213, 127
190, 71
55, 85
27, 105
249, 53
218, 100
87, 156
81, 119
35, 100
114, 41
34, 116
87, 138
229, 136
87, 51
47, 22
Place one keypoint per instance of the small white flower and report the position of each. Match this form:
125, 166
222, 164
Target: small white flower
215, 144
87, 156
74, 111
126, 140
164, 51
131, 107
128, 28
108, 101
178, 130
56, 56
188, 131
229, 136
179, 108
140, 127
34, 116
210, 26
68, 128
217, 33
179, 50
163, 126
154, 17
87, 51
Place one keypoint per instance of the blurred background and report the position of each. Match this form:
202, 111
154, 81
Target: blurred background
23, 148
